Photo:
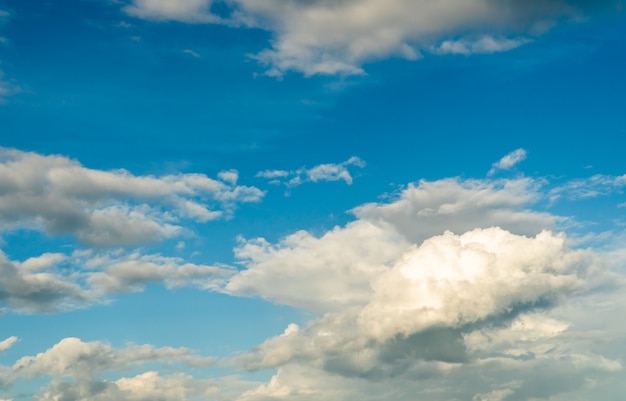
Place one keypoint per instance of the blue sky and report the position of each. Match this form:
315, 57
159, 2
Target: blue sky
312, 200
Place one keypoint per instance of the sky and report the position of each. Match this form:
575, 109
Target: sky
268, 200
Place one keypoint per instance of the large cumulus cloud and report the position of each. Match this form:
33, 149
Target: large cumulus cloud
457, 289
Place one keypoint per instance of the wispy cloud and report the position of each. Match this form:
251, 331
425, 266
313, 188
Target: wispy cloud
191, 53
482, 45
592, 187
508, 161
7, 86
321, 172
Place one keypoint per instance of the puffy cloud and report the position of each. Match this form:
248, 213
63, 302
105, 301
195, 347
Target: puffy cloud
508, 161
355, 254
321, 172
321, 37
319, 274
106, 208
430, 295
456, 289
452, 281
53, 282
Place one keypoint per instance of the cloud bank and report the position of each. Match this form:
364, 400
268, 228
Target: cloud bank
453, 289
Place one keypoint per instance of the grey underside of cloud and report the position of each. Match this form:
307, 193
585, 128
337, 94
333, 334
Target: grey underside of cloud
321, 37
57, 282
108, 208
76, 367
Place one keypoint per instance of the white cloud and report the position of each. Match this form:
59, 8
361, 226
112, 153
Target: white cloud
321, 37
321, 172
456, 289
7, 343
321, 274
107, 208
272, 174
508, 161
452, 280
353, 255
484, 44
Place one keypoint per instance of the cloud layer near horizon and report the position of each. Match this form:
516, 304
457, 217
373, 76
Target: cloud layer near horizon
452, 289
321, 37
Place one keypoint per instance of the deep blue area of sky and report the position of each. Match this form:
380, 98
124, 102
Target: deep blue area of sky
94, 94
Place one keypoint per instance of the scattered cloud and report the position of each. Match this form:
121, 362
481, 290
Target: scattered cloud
321, 172
508, 161
321, 37
460, 280
107, 208
7, 343
484, 44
